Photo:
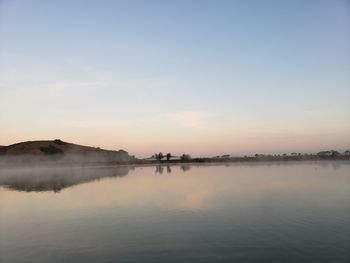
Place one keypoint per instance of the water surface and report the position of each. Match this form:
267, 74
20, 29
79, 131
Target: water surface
285, 212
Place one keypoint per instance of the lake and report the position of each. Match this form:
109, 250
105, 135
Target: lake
256, 212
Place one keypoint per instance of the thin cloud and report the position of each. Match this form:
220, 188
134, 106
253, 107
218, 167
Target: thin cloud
192, 119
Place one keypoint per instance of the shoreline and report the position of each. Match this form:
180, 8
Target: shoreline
195, 161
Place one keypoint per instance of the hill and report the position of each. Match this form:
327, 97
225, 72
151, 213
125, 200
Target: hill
57, 150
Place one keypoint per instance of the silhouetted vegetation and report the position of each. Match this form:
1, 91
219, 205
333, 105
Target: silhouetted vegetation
158, 156
328, 153
294, 156
59, 142
185, 157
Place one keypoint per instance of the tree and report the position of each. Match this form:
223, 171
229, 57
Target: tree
334, 153
185, 157
59, 142
168, 156
159, 156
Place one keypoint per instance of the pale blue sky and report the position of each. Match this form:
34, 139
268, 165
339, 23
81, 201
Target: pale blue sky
204, 77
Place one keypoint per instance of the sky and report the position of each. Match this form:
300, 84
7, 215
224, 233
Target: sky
199, 77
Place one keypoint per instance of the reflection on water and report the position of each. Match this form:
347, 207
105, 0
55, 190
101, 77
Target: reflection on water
55, 178
160, 169
219, 213
185, 167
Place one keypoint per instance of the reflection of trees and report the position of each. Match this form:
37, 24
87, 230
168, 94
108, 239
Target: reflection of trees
185, 167
160, 169
54, 178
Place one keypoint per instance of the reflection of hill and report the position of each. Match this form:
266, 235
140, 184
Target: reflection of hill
55, 178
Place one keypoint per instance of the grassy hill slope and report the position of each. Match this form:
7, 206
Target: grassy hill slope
60, 150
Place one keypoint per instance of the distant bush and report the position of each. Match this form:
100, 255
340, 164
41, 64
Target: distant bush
185, 157
51, 150
59, 142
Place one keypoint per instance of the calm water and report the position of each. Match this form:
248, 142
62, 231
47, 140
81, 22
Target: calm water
295, 212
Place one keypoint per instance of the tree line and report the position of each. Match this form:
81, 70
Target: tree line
160, 156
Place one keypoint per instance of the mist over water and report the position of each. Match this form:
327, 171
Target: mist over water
55, 178
258, 212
